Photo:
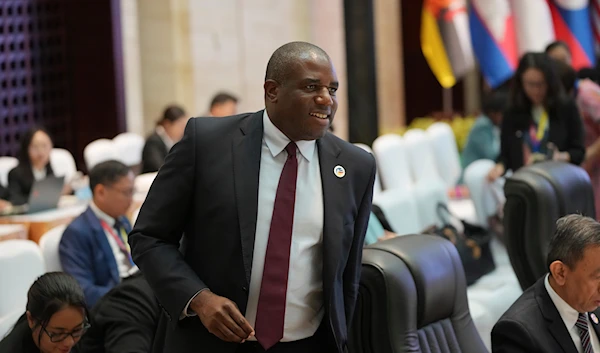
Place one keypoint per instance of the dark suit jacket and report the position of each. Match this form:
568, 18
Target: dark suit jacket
19, 340
3, 193
85, 253
20, 182
533, 325
154, 154
208, 189
565, 131
124, 320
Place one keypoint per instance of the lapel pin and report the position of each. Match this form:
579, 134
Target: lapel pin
594, 318
339, 171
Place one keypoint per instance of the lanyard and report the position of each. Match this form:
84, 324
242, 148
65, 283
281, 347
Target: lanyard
118, 239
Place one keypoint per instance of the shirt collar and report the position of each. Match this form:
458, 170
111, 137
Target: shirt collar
277, 141
160, 131
567, 313
101, 215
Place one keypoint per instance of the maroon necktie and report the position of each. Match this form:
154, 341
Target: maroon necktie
270, 313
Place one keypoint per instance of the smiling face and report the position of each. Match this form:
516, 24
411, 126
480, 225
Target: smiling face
304, 106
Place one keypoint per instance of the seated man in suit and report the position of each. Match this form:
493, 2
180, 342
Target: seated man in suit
560, 312
94, 247
124, 320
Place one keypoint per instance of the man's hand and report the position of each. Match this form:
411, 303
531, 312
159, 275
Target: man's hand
4, 204
221, 317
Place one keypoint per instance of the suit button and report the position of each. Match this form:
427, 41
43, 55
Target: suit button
244, 289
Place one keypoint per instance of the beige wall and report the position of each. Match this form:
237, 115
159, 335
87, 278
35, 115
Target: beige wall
184, 51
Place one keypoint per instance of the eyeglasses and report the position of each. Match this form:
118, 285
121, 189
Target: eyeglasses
59, 337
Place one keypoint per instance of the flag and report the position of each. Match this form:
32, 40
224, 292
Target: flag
446, 40
494, 40
533, 25
595, 14
571, 20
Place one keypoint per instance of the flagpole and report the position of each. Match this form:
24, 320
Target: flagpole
447, 100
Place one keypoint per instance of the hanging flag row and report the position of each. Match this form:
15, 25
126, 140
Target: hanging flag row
498, 32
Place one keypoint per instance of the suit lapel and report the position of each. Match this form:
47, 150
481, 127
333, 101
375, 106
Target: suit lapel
246, 149
556, 326
104, 246
332, 203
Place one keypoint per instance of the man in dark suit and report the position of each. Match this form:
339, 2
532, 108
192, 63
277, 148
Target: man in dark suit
93, 248
559, 313
123, 320
273, 209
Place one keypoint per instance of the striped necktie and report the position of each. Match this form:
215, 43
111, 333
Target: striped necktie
584, 333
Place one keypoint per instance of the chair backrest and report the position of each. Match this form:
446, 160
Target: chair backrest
413, 298
536, 197
21, 263
481, 191
401, 210
99, 151
392, 161
143, 182
63, 163
6, 165
49, 243
445, 149
129, 146
377, 185
421, 157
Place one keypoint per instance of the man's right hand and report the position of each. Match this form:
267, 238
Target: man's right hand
495, 172
221, 317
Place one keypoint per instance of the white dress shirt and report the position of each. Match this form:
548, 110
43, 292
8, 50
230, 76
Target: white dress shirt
39, 174
569, 317
160, 131
304, 300
123, 264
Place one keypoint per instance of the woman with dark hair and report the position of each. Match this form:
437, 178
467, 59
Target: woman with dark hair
169, 131
541, 122
55, 319
34, 164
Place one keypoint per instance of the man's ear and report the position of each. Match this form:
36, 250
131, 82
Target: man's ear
559, 270
271, 90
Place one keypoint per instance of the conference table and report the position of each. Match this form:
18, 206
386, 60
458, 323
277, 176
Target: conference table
33, 226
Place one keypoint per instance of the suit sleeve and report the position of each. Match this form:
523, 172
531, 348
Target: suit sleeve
159, 227
3, 193
353, 266
76, 260
576, 139
510, 336
16, 194
152, 157
506, 132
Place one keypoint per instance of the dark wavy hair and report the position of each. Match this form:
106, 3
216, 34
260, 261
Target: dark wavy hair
554, 90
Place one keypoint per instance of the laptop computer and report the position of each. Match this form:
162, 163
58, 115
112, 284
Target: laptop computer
44, 195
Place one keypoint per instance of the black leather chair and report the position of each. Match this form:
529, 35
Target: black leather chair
537, 196
413, 298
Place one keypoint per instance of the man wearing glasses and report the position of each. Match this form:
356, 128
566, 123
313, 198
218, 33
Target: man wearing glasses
93, 248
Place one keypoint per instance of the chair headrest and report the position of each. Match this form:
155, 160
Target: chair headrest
437, 272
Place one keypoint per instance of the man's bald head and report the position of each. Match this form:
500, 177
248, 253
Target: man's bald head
286, 56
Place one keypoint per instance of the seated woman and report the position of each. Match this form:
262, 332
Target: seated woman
55, 319
169, 131
542, 122
34, 164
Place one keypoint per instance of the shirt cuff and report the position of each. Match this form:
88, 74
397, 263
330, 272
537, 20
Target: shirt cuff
186, 311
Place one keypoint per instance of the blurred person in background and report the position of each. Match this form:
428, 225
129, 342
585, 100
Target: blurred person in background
559, 51
56, 317
169, 130
34, 164
483, 141
223, 104
93, 248
541, 122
